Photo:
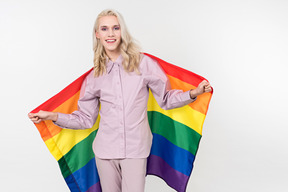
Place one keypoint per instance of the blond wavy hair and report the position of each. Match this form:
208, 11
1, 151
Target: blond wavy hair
130, 50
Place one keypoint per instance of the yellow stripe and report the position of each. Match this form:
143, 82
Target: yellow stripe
54, 150
66, 140
185, 115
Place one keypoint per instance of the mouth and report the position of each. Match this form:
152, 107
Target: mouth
110, 40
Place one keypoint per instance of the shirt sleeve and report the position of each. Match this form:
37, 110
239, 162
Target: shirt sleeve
159, 84
87, 113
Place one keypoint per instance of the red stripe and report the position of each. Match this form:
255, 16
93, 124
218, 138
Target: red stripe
178, 72
63, 95
75, 86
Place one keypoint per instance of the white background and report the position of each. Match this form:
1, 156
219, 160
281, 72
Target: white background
240, 46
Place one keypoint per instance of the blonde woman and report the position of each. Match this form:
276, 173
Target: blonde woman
120, 81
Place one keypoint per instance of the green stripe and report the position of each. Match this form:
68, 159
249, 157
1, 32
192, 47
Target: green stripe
78, 156
176, 132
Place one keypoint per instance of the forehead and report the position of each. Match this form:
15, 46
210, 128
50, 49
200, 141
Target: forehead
108, 21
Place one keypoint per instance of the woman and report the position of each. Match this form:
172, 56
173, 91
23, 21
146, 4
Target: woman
120, 81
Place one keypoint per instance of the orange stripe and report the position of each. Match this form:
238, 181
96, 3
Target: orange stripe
69, 105
53, 130
42, 128
202, 102
178, 84
48, 129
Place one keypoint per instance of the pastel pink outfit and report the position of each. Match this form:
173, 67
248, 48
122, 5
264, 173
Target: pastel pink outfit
124, 130
122, 175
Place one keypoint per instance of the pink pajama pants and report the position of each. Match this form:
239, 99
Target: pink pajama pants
122, 175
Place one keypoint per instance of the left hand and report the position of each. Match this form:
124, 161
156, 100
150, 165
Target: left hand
203, 87
42, 116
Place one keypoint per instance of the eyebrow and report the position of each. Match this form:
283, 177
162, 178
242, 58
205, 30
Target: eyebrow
107, 26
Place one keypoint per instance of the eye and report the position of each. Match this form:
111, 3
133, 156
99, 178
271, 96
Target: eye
116, 28
104, 29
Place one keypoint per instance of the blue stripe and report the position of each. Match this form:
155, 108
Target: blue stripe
178, 158
72, 184
85, 177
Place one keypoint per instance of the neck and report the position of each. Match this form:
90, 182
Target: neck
113, 55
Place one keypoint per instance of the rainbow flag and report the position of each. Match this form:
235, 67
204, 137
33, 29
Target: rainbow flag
176, 135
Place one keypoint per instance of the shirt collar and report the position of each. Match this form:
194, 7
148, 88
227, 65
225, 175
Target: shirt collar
110, 64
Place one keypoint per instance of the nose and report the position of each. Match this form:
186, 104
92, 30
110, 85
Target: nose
111, 33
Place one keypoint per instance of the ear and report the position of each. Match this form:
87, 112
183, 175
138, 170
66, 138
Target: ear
97, 35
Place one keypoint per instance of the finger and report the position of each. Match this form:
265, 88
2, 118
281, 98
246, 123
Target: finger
33, 115
204, 82
208, 86
38, 121
208, 90
34, 119
30, 115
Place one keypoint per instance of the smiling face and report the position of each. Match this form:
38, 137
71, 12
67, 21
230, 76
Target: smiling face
109, 34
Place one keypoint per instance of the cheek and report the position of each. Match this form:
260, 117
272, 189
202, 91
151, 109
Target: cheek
100, 35
118, 34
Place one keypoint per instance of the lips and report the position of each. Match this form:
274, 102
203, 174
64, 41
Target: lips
110, 40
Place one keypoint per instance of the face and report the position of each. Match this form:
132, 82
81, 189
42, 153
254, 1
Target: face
109, 33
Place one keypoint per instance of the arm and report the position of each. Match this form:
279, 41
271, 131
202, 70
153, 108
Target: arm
84, 117
167, 98
159, 85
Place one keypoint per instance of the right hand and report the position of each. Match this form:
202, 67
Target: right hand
42, 116
203, 87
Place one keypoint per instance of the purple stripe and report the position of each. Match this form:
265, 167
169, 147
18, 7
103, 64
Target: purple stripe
175, 179
95, 188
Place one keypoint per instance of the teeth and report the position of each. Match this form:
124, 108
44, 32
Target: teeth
110, 40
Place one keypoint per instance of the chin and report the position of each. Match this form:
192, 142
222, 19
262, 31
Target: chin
111, 49
114, 48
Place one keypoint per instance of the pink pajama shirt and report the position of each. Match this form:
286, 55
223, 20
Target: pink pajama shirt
124, 130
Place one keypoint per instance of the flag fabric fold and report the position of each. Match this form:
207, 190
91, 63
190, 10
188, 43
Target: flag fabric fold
176, 135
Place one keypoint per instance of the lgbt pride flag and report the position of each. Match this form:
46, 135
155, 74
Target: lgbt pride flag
176, 135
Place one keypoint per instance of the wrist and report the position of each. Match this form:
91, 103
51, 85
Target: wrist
193, 94
53, 116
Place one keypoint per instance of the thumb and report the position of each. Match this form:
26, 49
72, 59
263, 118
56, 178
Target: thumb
30, 115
